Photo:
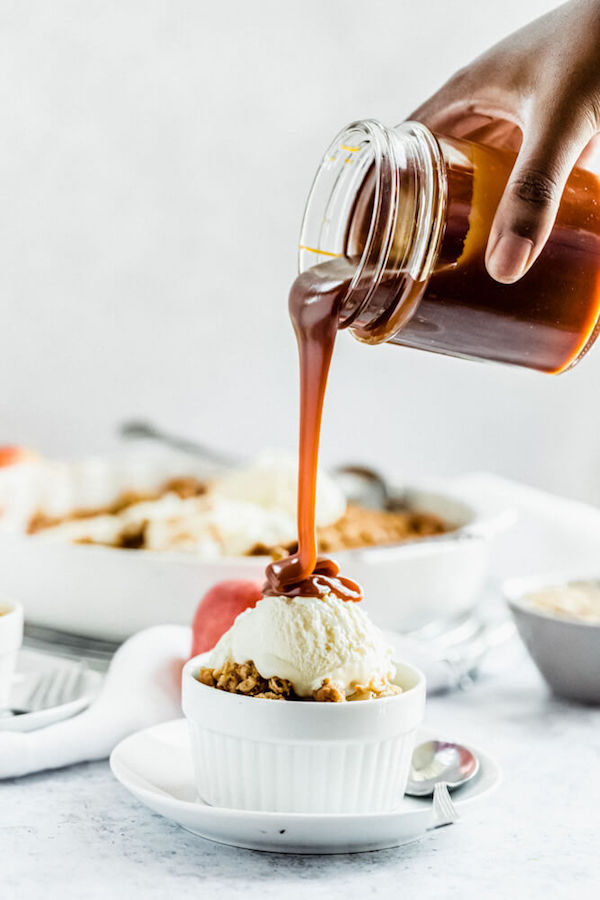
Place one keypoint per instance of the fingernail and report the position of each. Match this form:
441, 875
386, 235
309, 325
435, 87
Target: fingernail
509, 257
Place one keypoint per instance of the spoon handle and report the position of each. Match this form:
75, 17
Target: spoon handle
444, 810
134, 429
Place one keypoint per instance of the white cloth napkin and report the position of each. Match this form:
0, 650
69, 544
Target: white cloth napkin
141, 688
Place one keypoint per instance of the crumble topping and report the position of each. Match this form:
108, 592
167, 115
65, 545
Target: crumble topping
184, 486
329, 692
357, 527
244, 678
362, 527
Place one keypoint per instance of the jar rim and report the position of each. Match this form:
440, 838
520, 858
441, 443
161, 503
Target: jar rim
409, 150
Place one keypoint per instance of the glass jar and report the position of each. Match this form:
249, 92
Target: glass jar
412, 212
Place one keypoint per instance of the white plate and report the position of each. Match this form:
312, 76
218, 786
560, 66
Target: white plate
30, 665
156, 766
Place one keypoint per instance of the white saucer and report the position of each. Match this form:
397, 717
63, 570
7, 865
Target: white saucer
32, 664
156, 766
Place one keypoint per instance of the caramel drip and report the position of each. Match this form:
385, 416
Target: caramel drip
315, 302
325, 579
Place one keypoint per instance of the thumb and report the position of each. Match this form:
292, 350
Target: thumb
528, 207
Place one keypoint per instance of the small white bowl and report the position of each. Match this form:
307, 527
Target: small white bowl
302, 757
566, 651
11, 638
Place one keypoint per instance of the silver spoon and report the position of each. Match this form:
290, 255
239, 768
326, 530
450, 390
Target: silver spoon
438, 767
135, 429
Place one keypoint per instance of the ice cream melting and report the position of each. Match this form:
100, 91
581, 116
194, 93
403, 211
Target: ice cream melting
308, 640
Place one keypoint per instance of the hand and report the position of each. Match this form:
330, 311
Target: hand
537, 90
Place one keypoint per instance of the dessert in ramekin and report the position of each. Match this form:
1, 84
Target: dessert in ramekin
11, 638
264, 735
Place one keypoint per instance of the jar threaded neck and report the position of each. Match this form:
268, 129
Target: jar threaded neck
403, 172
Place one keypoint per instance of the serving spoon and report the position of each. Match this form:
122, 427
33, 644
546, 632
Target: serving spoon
438, 767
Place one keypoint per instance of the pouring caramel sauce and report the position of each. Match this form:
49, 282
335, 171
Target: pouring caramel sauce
315, 303
546, 321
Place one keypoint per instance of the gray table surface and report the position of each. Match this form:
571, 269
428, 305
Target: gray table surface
77, 834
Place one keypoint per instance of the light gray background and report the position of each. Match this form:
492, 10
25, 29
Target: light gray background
154, 162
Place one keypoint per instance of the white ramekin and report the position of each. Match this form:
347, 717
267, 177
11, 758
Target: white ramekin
11, 638
302, 757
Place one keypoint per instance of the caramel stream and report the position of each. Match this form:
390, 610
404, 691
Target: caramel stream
315, 300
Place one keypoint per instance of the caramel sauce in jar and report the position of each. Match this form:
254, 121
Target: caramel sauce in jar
545, 321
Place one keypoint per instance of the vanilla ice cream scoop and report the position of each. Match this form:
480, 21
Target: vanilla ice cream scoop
307, 640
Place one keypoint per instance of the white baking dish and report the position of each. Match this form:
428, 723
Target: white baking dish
107, 593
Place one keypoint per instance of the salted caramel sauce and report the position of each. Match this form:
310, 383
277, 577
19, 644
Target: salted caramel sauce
545, 321
315, 303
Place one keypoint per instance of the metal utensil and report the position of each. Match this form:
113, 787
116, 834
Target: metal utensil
438, 767
136, 429
49, 689
444, 810
93, 652
364, 486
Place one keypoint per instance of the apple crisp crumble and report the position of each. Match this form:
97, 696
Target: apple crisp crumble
133, 521
184, 487
362, 527
244, 678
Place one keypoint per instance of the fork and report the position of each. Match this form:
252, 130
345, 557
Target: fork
49, 689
